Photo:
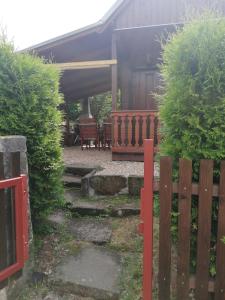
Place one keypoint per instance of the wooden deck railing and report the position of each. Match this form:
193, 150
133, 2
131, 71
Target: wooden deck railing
131, 128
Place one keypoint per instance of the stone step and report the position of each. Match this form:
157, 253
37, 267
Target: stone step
80, 169
97, 209
85, 207
91, 230
92, 272
70, 180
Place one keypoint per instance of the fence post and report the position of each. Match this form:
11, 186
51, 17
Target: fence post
148, 218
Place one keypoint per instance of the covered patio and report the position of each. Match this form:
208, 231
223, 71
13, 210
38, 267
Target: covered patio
119, 54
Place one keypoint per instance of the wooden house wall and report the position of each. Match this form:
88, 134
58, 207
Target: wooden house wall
138, 89
139, 53
155, 12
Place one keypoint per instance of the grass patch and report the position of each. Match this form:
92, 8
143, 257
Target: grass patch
112, 200
131, 277
127, 241
38, 291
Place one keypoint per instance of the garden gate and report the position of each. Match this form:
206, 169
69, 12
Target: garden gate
205, 192
13, 220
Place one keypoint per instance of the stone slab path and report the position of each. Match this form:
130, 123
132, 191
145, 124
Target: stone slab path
91, 230
94, 272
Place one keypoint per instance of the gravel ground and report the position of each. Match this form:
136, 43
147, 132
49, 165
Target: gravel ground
102, 159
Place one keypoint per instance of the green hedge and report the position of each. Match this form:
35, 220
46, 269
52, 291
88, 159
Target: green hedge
29, 97
192, 107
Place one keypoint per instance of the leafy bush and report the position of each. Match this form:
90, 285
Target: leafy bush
101, 106
192, 107
73, 111
29, 99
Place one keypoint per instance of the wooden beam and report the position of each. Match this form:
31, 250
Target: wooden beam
81, 65
114, 73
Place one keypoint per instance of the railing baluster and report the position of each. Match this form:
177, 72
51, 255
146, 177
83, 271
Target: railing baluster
116, 130
144, 127
152, 127
137, 130
130, 118
123, 130
130, 129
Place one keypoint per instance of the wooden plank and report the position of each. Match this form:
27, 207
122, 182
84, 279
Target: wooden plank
3, 229
126, 149
184, 228
128, 157
15, 171
135, 112
81, 65
148, 219
211, 284
195, 188
165, 195
220, 248
204, 229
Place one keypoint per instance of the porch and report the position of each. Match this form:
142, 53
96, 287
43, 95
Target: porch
121, 61
130, 129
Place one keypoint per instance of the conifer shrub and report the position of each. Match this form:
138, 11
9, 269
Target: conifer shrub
192, 106
29, 98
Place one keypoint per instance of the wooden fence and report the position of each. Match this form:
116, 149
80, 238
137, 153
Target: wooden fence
13, 219
206, 192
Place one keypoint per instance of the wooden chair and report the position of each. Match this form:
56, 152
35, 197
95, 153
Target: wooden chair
107, 133
88, 133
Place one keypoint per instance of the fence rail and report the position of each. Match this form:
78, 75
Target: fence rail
205, 190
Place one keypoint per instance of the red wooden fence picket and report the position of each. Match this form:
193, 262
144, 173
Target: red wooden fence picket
206, 192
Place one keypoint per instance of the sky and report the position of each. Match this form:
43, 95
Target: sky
29, 22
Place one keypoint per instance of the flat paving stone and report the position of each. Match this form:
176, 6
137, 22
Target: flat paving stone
94, 231
93, 272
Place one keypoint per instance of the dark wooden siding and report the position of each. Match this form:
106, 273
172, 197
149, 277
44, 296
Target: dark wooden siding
155, 12
138, 88
139, 50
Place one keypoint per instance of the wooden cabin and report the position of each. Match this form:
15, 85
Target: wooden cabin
121, 53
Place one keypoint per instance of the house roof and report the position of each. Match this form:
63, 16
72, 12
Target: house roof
119, 4
91, 43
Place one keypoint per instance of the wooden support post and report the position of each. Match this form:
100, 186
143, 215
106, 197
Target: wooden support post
114, 73
147, 215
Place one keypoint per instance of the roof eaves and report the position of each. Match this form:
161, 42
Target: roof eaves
112, 10
85, 30
60, 39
